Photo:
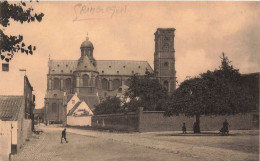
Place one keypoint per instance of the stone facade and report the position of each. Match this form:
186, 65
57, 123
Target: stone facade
102, 78
164, 58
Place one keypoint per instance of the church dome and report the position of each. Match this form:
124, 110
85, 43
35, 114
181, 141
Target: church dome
87, 44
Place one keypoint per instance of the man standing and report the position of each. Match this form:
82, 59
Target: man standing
225, 127
63, 136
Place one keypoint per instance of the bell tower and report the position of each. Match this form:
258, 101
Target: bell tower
164, 58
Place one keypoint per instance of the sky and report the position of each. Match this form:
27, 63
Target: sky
125, 31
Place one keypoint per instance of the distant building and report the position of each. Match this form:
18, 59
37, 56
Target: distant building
99, 79
16, 116
80, 110
38, 115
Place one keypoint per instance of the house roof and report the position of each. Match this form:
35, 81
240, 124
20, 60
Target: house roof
10, 107
74, 108
91, 101
104, 67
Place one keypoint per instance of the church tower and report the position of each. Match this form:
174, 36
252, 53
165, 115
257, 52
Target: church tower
164, 58
86, 74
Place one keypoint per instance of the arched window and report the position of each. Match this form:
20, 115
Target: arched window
128, 82
54, 107
85, 80
166, 84
104, 84
116, 84
56, 83
68, 83
96, 81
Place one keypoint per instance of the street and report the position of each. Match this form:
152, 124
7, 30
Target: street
88, 145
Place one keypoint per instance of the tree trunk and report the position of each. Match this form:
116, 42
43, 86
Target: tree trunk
196, 126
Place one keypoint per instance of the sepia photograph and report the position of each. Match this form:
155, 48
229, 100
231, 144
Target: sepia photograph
129, 80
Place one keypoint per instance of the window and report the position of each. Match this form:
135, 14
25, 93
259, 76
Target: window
85, 80
117, 72
58, 65
53, 70
166, 47
54, 107
56, 83
73, 101
5, 67
166, 64
104, 84
61, 71
166, 84
68, 83
102, 71
55, 95
116, 83
109, 66
71, 71
66, 65
139, 66
85, 66
123, 66
120, 90
133, 72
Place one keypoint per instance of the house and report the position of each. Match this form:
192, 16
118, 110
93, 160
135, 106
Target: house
38, 115
80, 109
16, 114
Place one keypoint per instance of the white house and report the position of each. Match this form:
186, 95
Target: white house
80, 110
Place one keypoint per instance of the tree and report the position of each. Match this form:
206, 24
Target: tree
218, 92
147, 92
9, 45
109, 106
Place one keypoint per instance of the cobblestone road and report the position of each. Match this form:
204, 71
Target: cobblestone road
93, 145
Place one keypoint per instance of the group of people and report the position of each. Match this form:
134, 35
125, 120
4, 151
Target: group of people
196, 128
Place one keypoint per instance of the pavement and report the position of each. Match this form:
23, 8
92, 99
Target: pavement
101, 145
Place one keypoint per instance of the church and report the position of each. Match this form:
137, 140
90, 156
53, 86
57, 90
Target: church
94, 80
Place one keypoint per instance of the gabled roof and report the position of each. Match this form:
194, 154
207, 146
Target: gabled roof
10, 107
91, 101
69, 96
104, 67
74, 108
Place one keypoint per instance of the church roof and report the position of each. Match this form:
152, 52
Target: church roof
62, 66
85, 64
104, 67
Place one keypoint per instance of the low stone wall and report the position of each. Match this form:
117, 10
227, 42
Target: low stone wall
79, 121
152, 121
122, 122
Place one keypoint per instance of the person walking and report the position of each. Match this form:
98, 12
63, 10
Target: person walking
63, 136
